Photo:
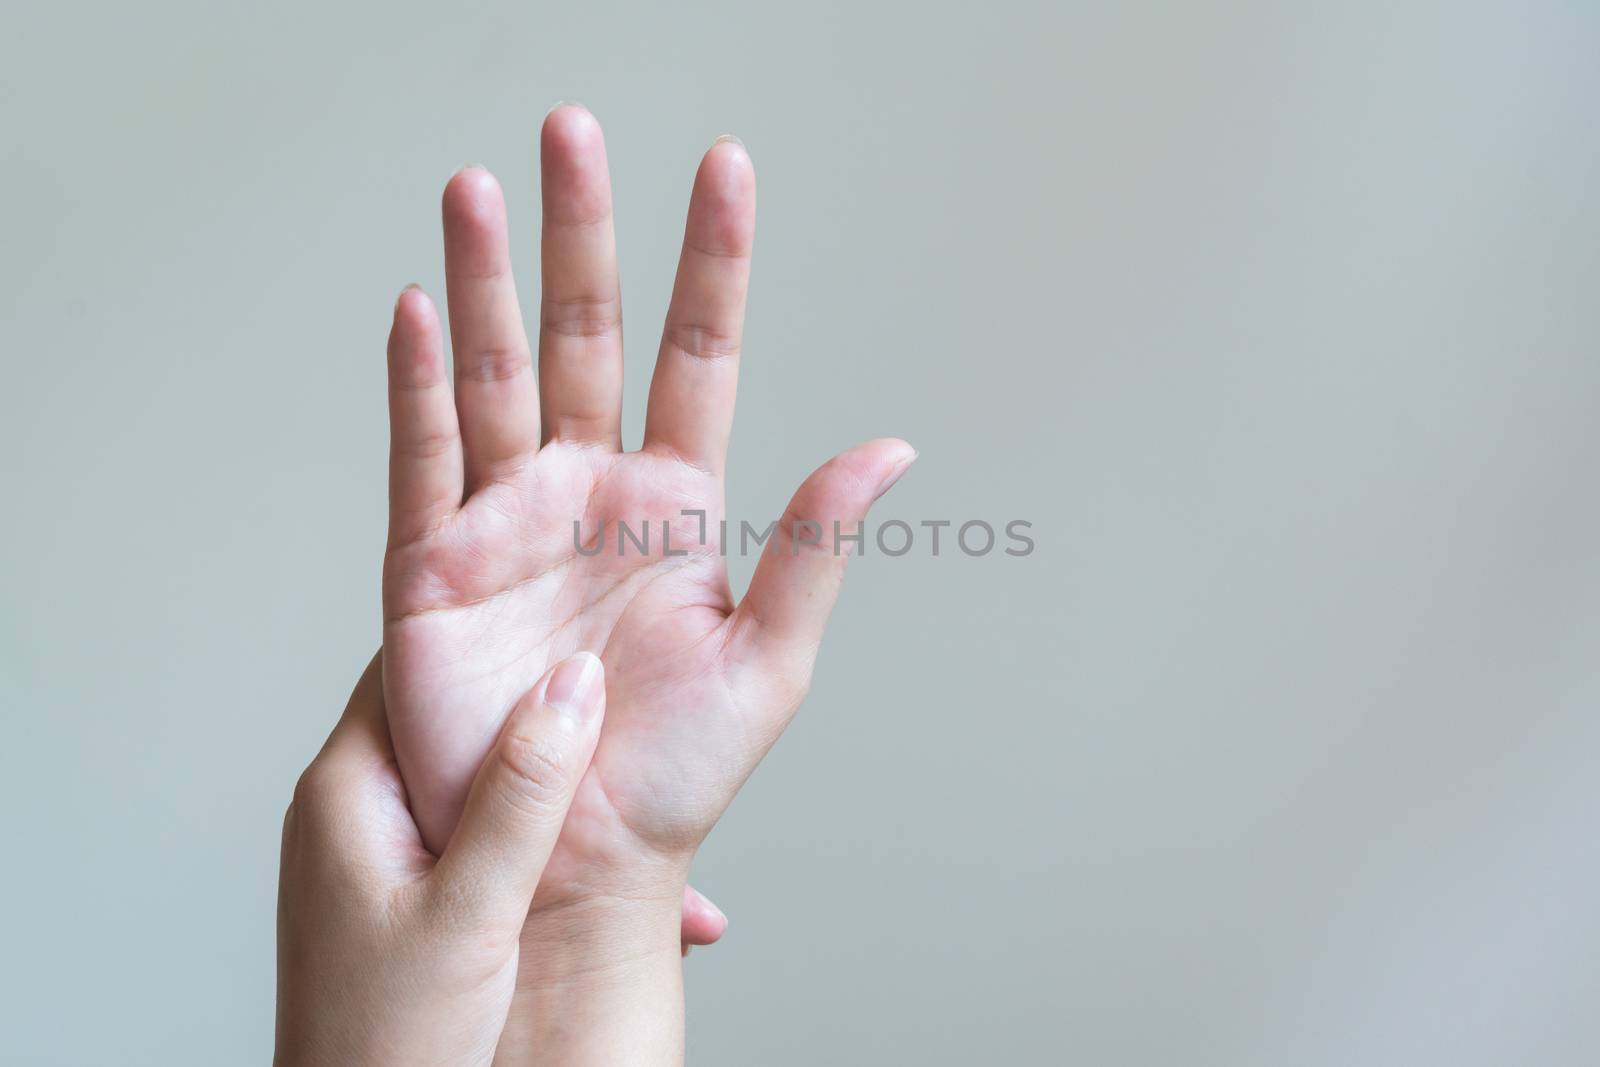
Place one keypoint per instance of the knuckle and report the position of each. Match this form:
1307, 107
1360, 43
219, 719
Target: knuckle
496, 363
534, 771
730, 240
426, 445
582, 316
309, 791
797, 535
309, 803
703, 342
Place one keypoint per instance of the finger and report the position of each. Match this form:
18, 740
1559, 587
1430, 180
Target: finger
780, 621
521, 795
703, 921
424, 442
580, 313
495, 391
362, 732
697, 369
356, 754
349, 806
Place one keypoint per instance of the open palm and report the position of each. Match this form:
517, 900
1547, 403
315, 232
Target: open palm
506, 544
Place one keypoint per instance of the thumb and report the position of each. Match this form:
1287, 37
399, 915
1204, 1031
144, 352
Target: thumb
520, 798
797, 581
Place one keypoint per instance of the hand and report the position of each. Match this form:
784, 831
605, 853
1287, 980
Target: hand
484, 585
386, 955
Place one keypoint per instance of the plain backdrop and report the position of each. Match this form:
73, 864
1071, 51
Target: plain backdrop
1278, 322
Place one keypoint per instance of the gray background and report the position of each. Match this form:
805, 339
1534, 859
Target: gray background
1278, 321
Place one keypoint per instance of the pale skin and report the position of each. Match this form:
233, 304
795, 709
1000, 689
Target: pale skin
386, 954
484, 588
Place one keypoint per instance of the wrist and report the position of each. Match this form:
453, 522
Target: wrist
589, 939
599, 980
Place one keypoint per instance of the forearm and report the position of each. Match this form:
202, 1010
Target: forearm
600, 983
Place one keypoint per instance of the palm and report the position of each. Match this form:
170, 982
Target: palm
485, 586
485, 606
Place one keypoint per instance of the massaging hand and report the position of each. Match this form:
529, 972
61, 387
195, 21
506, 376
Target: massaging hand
386, 955
484, 586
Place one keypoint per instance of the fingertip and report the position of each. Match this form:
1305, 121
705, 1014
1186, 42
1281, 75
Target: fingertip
572, 162
900, 456
705, 905
703, 922
569, 126
723, 206
472, 177
726, 173
895, 450
414, 307
576, 688
415, 345
712, 921
729, 153
849, 483
473, 195
878, 461
476, 240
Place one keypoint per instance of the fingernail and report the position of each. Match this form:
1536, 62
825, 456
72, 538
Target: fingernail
728, 138
899, 469
575, 687
706, 903
564, 103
